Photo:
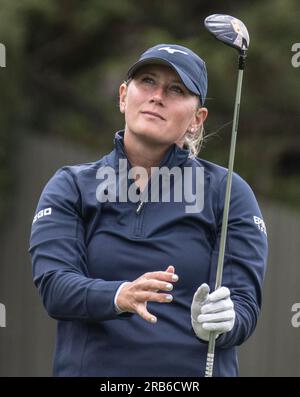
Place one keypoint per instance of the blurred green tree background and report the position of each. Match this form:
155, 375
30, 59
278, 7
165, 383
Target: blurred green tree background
67, 58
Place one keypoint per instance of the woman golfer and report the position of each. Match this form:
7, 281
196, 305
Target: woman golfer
125, 249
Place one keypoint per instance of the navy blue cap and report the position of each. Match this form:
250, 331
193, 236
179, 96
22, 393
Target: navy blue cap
189, 66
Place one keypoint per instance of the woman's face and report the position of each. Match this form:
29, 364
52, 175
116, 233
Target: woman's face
158, 107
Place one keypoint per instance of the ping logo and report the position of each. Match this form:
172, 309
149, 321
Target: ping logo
171, 50
260, 224
40, 214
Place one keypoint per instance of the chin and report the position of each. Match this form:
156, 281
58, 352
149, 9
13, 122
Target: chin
153, 135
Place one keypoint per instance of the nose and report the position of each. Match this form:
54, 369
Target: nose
158, 95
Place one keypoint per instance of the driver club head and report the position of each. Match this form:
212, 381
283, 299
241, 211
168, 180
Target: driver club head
228, 29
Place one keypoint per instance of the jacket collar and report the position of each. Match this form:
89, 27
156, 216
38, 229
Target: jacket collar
175, 156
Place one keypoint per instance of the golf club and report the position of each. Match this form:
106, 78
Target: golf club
232, 32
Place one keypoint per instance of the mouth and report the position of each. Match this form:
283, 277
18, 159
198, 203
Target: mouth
154, 114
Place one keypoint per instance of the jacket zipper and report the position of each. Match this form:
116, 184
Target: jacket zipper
138, 210
139, 219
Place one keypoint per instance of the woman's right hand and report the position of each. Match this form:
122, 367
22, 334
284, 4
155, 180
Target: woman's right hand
134, 296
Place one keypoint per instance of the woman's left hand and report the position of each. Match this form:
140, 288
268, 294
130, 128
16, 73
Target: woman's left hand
212, 312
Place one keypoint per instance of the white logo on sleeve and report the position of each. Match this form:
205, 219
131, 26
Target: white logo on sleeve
40, 214
260, 224
172, 50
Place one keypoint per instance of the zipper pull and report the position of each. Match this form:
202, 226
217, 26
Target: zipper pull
139, 207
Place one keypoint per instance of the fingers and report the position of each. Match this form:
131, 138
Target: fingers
155, 285
162, 276
213, 312
170, 269
222, 327
201, 293
145, 289
220, 293
147, 296
227, 315
142, 311
219, 306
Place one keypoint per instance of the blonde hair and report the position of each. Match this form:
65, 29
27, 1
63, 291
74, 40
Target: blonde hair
193, 141
194, 138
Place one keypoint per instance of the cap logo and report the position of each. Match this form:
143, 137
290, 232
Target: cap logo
171, 50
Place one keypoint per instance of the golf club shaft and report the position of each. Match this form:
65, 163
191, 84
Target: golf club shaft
212, 335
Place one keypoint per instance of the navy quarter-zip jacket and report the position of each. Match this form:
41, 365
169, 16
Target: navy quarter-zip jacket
82, 250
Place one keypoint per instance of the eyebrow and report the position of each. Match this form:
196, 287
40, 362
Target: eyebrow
155, 75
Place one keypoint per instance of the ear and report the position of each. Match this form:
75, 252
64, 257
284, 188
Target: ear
198, 119
122, 97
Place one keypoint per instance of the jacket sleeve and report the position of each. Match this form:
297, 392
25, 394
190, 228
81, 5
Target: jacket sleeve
59, 257
245, 259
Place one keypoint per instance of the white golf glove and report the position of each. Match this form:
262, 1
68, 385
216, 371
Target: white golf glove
212, 312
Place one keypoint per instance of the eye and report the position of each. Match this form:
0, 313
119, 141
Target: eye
177, 88
148, 80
